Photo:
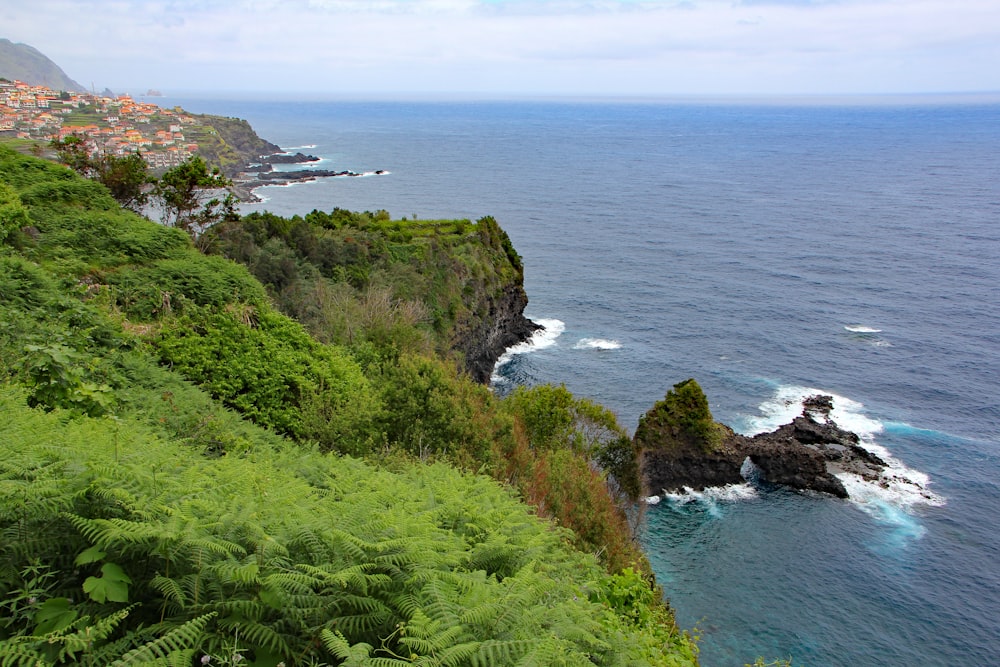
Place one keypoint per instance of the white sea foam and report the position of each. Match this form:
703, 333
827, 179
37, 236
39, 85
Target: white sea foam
728, 493
786, 405
543, 338
898, 486
711, 497
596, 344
288, 150
257, 191
897, 490
861, 328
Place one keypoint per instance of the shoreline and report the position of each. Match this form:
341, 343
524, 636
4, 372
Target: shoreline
262, 173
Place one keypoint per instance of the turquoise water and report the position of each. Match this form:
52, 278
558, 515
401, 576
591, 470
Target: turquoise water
768, 251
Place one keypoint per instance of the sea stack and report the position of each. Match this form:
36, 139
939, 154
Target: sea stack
682, 446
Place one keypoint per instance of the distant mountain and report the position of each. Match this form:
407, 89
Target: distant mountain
28, 64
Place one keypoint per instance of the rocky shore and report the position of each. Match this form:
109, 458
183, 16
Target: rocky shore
262, 172
806, 454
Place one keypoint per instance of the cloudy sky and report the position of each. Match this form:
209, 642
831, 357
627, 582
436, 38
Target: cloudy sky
523, 47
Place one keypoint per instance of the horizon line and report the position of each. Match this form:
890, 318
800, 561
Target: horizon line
842, 98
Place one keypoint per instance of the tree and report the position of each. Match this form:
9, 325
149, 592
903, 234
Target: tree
189, 193
75, 153
124, 176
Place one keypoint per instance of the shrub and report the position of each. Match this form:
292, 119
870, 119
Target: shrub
263, 365
59, 379
13, 214
153, 290
682, 418
428, 409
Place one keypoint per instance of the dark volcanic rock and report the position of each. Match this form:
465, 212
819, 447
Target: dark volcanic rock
288, 158
303, 175
487, 338
785, 460
674, 470
805, 454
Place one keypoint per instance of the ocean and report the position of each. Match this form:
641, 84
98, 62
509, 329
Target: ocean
769, 249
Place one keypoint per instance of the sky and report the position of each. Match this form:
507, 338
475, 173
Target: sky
603, 48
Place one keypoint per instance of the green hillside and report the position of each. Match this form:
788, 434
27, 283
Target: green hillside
25, 63
188, 476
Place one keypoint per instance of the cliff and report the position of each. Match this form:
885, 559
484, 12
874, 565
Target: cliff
493, 319
229, 143
451, 287
481, 341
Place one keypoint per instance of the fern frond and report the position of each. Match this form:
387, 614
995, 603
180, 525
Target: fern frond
242, 575
180, 639
459, 654
292, 583
85, 637
17, 652
171, 590
360, 625
387, 662
258, 635
494, 652
338, 645
311, 545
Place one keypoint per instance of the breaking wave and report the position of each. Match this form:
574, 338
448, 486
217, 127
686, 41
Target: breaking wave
596, 344
543, 338
888, 498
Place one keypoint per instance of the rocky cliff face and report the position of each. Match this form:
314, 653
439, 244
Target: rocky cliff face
805, 454
232, 145
481, 341
494, 302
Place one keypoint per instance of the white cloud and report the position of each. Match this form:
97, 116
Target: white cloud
555, 46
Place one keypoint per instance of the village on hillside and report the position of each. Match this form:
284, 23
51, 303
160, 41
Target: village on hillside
112, 125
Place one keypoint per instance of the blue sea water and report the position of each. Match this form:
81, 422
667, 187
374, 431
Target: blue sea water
768, 250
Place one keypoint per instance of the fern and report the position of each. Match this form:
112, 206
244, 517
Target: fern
180, 640
496, 652
421, 565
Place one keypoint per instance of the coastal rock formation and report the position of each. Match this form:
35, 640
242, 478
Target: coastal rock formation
287, 158
805, 454
261, 172
495, 301
483, 340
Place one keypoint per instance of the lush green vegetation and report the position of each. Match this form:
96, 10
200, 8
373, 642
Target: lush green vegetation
412, 286
187, 472
123, 546
681, 419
